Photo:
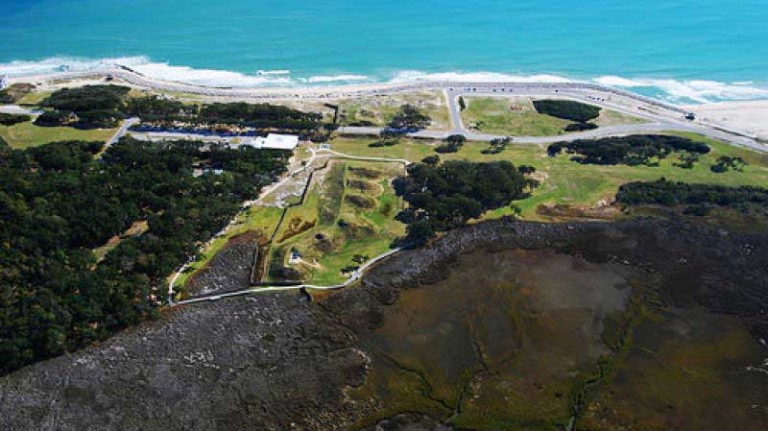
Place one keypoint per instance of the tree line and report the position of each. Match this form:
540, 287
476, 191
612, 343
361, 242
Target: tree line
103, 106
58, 203
627, 150
697, 199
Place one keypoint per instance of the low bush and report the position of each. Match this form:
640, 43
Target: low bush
567, 110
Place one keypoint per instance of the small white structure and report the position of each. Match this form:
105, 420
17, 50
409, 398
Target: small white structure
273, 142
3, 81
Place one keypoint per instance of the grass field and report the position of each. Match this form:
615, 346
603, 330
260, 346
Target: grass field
345, 214
380, 110
34, 98
26, 135
571, 183
516, 116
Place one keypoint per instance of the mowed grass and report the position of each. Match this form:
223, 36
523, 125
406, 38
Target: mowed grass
512, 116
34, 98
27, 135
516, 116
346, 229
566, 182
380, 110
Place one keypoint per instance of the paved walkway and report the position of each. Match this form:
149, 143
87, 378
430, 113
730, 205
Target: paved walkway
354, 278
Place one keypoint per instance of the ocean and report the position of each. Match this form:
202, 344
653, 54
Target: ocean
685, 51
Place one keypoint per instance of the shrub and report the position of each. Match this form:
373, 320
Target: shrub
580, 127
431, 160
725, 163
11, 119
409, 118
696, 198
567, 110
628, 150
452, 147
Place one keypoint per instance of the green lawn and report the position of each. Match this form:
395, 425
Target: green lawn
516, 116
34, 98
370, 230
26, 135
364, 231
567, 182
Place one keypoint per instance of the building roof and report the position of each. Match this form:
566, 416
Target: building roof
274, 141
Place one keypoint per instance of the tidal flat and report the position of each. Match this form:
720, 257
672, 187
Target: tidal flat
641, 324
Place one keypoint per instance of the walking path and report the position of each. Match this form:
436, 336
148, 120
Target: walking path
356, 275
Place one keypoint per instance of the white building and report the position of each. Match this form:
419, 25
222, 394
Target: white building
273, 142
3, 81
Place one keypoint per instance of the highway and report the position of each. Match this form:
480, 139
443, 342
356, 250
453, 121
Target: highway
660, 117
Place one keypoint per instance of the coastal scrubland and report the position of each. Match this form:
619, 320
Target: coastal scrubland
379, 111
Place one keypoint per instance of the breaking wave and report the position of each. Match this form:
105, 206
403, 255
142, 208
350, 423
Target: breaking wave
681, 91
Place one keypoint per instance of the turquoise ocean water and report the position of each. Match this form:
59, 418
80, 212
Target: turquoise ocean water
680, 50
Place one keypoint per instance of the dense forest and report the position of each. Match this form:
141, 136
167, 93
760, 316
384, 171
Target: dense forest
696, 199
627, 150
446, 196
88, 107
58, 203
103, 106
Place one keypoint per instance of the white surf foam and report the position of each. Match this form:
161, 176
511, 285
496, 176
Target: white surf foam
64, 64
700, 91
418, 76
320, 79
696, 91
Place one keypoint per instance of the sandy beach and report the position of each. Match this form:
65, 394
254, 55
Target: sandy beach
732, 121
749, 116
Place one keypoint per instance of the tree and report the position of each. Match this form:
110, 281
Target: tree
419, 233
567, 110
431, 160
452, 144
12, 119
409, 118
446, 196
725, 163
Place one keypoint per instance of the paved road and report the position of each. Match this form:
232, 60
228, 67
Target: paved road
661, 117
122, 131
20, 110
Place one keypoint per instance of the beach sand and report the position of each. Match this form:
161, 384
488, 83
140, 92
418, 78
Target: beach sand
750, 117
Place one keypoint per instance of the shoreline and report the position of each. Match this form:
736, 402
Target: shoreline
741, 129
136, 79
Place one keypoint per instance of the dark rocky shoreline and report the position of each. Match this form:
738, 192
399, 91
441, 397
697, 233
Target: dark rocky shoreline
279, 361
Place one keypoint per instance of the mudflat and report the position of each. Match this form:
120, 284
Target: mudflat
501, 325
